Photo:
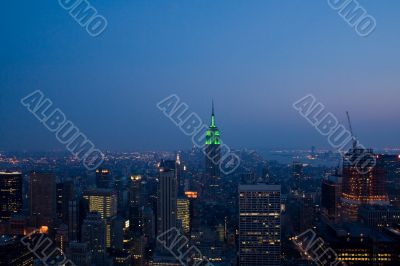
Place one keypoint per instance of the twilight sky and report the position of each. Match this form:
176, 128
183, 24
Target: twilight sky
254, 58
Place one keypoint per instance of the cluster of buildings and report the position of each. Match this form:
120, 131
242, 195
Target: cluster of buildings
249, 218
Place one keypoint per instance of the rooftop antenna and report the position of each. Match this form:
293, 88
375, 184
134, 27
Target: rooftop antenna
351, 131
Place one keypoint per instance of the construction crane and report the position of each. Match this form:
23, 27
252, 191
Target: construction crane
351, 131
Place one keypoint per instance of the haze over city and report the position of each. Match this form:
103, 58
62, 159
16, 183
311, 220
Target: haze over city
254, 59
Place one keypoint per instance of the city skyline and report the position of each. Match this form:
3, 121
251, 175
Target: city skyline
188, 133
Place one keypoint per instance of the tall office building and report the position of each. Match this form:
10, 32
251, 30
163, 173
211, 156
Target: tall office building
213, 149
135, 205
363, 181
298, 176
183, 214
94, 234
103, 201
104, 179
61, 237
259, 225
265, 176
10, 194
179, 178
73, 220
391, 165
64, 193
42, 199
121, 186
331, 189
166, 198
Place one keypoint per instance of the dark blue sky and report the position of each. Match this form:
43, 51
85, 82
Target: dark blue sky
255, 58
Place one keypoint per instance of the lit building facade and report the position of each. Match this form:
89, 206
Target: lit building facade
379, 216
259, 225
10, 194
183, 214
103, 201
212, 149
363, 182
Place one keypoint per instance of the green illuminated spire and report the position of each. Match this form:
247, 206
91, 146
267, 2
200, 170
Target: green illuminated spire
212, 116
212, 134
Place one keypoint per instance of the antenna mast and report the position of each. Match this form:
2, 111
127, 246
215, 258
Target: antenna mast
351, 130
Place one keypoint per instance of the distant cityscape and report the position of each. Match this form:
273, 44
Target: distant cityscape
179, 208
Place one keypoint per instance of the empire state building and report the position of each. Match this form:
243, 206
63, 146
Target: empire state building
213, 149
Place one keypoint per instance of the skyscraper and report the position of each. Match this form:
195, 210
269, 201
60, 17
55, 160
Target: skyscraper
363, 181
10, 194
183, 214
259, 225
212, 149
166, 198
391, 165
298, 175
64, 193
103, 201
94, 234
42, 198
73, 220
135, 205
330, 196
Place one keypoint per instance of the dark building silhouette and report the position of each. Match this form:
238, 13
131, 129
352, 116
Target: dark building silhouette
136, 205
166, 199
94, 234
104, 179
14, 252
79, 253
297, 175
42, 199
65, 193
391, 165
10, 194
73, 220
331, 189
